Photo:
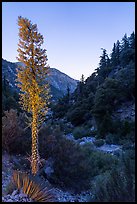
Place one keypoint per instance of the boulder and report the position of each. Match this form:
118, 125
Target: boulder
48, 168
14, 192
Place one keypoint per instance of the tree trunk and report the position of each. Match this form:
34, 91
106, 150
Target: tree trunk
34, 163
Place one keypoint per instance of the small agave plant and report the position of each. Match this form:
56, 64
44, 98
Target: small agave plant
32, 186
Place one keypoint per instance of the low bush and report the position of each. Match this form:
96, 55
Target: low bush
10, 129
99, 142
76, 116
127, 145
112, 138
20, 163
80, 132
15, 138
118, 185
48, 140
74, 165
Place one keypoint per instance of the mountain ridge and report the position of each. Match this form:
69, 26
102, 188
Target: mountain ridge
59, 81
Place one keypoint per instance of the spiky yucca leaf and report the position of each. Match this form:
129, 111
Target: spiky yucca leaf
33, 187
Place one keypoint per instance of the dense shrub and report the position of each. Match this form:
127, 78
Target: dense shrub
20, 162
76, 116
15, 139
10, 129
104, 125
80, 132
117, 185
115, 131
99, 142
107, 96
64, 125
128, 145
74, 165
10, 97
48, 140
112, 138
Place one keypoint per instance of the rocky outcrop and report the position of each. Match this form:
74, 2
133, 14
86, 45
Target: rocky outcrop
125, 112
107, 148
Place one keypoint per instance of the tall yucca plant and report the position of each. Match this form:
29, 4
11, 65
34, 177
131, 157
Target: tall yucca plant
34, 96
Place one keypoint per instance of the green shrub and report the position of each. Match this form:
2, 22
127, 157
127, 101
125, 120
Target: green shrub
74, 165
104, 124
64, 125
93, 132
127, 145
117, 185
20, 163
48, 140
102, 162
76, 116
80, 132
99, 142
112, 138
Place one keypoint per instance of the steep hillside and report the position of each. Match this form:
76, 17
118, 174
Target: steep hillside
58, 81
106, 99
61, 81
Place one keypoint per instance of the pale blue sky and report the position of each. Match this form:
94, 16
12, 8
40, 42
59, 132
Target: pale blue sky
74, 32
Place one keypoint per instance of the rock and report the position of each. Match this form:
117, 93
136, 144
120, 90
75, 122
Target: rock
93, 128
82, 143
110, 148
9, 200
48, 168
84, 140
16, 196
22, 195
70, 136
14, 192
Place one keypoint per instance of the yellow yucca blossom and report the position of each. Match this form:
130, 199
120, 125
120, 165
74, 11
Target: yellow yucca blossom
31, 79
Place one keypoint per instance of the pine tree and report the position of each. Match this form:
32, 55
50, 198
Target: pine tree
82, 79
104, 66
103, 60
68, 93
125, 42
34, 96
132, 40
118, 50
115, 54
127, 50
81, 85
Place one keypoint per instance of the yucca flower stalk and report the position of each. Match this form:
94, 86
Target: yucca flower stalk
34, 95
